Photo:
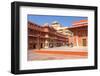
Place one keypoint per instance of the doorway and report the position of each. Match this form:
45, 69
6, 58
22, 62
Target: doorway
34, 46
41, 45
84, 42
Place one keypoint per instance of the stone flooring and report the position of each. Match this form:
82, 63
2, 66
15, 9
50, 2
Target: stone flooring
65, 48
58, 53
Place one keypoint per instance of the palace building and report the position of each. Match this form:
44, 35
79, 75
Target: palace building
44, 37
80, 33
56, 35
76, 34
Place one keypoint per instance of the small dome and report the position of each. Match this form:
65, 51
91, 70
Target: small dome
55, 22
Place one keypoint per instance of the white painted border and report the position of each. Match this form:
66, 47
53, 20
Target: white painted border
26, 65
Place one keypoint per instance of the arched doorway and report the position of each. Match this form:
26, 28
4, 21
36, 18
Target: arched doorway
34, 46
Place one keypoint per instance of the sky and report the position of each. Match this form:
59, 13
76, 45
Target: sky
63, 20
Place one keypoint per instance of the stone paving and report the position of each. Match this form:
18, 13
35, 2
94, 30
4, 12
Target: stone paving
65, 48
58, 53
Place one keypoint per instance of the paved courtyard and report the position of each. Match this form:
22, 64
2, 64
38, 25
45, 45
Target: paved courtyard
58, 53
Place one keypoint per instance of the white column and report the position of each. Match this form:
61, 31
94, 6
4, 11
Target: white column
46, 44
46, 41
